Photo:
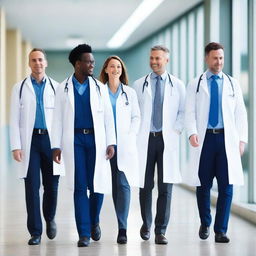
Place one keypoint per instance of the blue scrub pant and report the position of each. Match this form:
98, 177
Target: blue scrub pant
120, 193
213, 163
40, 158
87, 209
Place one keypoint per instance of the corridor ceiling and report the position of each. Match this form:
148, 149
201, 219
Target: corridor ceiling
50, 23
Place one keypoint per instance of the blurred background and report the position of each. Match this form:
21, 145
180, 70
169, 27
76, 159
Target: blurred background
128, 29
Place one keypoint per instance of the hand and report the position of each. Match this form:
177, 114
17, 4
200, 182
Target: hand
17, 155
241, 147
56, 155
110, 152
193, 139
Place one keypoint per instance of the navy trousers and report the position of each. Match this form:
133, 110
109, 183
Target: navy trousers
87, 209
40, 158
120, 193
155, 156
213, 163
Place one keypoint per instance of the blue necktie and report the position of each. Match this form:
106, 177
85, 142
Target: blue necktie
158, 106
214, 104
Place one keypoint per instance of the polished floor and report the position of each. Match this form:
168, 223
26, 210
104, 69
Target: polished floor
182, 231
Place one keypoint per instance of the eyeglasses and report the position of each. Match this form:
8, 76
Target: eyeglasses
88, 62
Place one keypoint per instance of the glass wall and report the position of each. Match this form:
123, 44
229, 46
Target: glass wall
241, 73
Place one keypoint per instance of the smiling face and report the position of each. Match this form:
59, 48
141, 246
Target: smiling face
114, 69
37, 63
158, 61
215, 60
85, 65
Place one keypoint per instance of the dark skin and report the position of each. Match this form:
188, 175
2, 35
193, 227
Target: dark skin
83, 68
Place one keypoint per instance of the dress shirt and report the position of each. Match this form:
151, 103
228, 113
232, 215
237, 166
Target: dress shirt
39, 91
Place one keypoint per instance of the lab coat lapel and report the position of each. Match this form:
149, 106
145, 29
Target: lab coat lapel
71, 92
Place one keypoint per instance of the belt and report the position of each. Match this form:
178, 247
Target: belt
84, 130
40, 131
215, 131
155, 134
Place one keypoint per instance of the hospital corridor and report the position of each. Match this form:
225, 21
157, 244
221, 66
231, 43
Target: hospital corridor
127, 128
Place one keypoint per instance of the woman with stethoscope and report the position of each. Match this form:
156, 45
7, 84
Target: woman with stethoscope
124, 165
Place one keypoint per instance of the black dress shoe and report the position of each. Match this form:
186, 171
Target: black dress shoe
34, 240
204, 232
83, 241
122, 237
51, 229
95, 232
144, 233
221, 238
160, 239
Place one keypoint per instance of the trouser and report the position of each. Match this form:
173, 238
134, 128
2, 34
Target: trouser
40, 158
213, 163
155, 156
87, 208
120, 193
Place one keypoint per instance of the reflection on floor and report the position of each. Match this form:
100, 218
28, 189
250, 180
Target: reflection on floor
182, 231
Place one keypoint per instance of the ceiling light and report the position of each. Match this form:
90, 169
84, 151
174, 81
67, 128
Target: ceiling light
73, 41
133, 22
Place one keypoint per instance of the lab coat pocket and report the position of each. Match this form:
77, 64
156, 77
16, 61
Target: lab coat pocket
50, 102
231, 100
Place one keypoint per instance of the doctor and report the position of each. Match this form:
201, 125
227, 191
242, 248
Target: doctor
124, 165
84, 132
216, 123
32, 104
161, 99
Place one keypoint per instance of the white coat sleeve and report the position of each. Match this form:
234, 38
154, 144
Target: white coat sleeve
15, 138
179, 124
241, 115
190, 109
135, 122
57, 124
108, 119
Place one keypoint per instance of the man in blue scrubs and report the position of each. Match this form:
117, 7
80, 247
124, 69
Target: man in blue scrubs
84, 116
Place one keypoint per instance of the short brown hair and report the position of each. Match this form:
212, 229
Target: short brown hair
38, 50
212, 47
104, 76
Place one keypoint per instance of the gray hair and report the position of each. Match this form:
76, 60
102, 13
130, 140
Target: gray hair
161, 48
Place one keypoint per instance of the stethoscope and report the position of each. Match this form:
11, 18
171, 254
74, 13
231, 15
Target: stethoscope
231, 84
97, 89
22, 84
145, 84
97, 85
125, 94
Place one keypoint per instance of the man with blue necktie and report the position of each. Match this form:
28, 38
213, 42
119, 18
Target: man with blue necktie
32, 105
216, 122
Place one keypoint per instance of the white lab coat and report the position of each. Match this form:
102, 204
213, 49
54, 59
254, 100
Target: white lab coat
104, 131
235, 126
127, 127
22, 118
173, 119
